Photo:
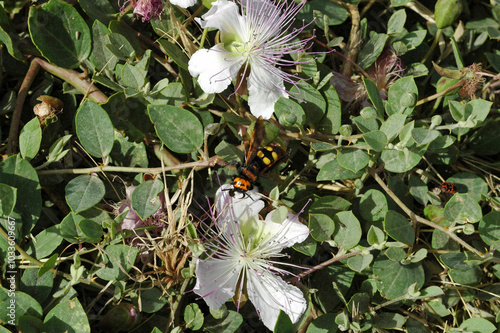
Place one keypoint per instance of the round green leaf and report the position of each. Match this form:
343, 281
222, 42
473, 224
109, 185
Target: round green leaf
84, 192
333, 171
145, 200
30, 139
314, 103
348, 233
394, 278
177, 128
321, 226
18, 173
92, 230
360, 262
373, 205
404, 160
461, 208
47, 241
193, 316
38, 287
376, 140
94, 129
471, 276
489, 228
353, 159
8, 201
59, 33
423, 136
476, 325
67, 316
395, 104
398, 227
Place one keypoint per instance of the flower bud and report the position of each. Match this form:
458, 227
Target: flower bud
288, 119
469, 229
408, 100
345, 130
436, 121
368, 113
446, 12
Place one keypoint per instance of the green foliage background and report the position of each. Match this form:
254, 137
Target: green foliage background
369, 143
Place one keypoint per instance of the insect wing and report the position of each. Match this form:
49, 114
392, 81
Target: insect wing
255, 140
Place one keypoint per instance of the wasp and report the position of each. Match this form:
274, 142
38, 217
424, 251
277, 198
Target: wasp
258, 160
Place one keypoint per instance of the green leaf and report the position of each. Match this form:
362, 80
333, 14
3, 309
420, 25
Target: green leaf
321, 226
98, 10
118, 259
47, 241
360, 262
462, 208
476, 325
8, 198
396, 22
393, 125
47, 266
348, 233
314, 103
375, 235
323, 324
128, 154
394, 278
132, 77
353, 159
94, 129
84, 192
228, 323
372, 49
423, 136
471, 184
193, 316
38, 287
69, 227
374, 95
329, 205
24, 305
396, 102
18, 173
285, 107
92, 230
8, 36
145, 200
67, 316
330, 123
389, 320
489, 228
333, 171
377, 140
30, 139
373, 205
399, 228
60, 33
283, 324
178, 129
56, 151
404, 160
